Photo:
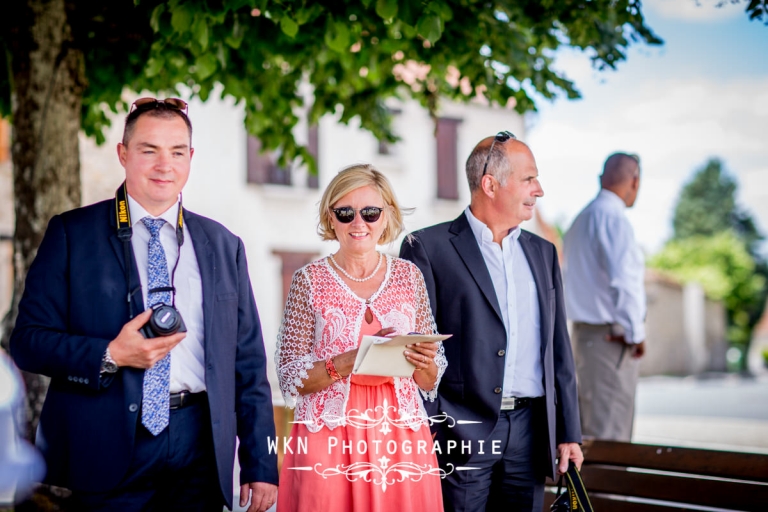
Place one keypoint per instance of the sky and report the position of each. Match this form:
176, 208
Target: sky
702, 94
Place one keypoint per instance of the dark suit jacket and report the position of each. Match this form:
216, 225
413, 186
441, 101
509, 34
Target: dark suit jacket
464, 304
74, 304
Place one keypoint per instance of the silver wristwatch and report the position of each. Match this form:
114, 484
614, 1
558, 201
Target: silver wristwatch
108, 365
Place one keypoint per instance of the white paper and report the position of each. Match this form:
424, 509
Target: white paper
383, 356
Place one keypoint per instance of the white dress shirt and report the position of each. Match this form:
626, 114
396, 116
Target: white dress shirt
188, 357
516, 292
604, 268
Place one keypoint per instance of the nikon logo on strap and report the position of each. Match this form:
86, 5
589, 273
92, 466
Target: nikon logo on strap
122, 212
124, 230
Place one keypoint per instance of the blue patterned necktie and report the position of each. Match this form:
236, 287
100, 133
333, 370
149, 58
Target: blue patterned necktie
155, 402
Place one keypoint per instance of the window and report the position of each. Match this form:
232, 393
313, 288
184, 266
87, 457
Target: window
447, 160
314, 150
263, 168
291, 262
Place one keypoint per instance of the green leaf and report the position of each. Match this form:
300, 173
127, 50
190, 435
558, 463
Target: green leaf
154, 66
204, 92
430, 27
443, 10
387, 9
366, 3
304, 15
409, 31
206, 65
337, 37
289, 27
201, 32
221, 54
154, 20
181, 18
235, 39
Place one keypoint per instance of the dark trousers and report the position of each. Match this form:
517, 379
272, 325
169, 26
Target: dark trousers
175, 470
510, 480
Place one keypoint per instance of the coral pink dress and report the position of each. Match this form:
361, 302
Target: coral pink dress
363, 443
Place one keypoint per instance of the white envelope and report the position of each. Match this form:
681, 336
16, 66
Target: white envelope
383, 356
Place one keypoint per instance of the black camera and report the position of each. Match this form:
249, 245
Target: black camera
164, 321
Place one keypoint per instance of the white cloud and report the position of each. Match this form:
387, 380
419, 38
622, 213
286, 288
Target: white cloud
695, 10
674, 125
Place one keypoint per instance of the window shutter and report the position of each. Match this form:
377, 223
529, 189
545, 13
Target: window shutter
447, 160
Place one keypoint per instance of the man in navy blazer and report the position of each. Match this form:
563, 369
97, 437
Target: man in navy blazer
79, 321
510, 387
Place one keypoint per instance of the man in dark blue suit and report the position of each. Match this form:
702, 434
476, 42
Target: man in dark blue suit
134, 422
510, 385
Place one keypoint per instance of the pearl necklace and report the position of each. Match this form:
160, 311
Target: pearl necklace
355, 279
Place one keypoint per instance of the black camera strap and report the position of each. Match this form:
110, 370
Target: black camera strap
125, 233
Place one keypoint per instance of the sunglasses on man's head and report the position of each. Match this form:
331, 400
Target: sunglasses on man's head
346, 214
150, 103
501, 138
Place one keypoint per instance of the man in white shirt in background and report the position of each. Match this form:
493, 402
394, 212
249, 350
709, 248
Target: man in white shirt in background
605, 299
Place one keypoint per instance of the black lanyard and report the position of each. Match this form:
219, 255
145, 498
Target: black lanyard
124, 234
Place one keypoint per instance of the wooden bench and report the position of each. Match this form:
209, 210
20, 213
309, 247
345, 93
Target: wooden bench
627, 477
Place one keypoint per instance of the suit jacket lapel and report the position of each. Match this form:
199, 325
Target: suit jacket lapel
535, 261
207, 264
466, 245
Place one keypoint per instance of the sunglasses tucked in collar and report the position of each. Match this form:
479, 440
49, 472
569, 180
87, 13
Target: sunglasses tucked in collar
501, 138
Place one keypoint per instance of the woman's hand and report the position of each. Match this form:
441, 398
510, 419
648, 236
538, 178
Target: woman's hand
318, 378
422, 356
345, 362
385, 331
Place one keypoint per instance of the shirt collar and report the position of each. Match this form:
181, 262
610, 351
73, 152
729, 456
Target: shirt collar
483, 233
138, 212
612, 199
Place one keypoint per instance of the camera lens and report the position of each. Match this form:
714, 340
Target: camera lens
165, 320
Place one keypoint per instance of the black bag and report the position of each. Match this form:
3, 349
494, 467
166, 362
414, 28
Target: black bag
575, 498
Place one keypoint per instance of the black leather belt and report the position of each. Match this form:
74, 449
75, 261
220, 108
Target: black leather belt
185, 398
517, 402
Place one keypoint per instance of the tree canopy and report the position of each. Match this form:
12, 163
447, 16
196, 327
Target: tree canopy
715, 243
352, 54
707, 206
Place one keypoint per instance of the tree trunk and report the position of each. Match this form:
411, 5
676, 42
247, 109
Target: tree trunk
48, 82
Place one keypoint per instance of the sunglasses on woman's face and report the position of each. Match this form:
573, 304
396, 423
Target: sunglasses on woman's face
346, 214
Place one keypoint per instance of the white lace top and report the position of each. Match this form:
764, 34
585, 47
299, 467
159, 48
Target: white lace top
322, 319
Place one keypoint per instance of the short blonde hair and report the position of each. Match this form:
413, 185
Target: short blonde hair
352, 178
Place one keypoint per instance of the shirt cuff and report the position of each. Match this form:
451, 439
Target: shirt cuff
637, 335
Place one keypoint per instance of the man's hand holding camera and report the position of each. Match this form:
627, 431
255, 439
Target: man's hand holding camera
131, 348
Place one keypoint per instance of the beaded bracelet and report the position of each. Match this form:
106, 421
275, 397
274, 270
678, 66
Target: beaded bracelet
330, 368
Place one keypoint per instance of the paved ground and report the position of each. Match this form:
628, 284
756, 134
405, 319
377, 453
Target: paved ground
725, 412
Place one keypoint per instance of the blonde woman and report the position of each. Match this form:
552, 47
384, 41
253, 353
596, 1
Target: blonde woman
367, 444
